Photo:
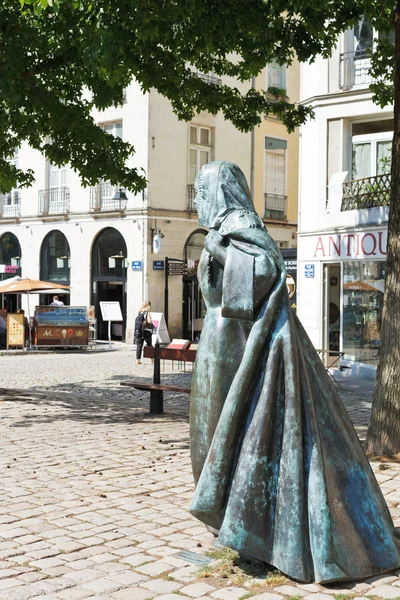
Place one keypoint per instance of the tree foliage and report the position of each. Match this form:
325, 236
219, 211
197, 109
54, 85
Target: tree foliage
61, 58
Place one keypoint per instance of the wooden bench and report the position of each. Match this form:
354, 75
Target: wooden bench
157, 388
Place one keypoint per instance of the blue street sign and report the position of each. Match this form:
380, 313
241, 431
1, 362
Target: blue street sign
137, 265
309, 271
158, 265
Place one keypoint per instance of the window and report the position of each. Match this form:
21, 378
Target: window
57, 176
363, 288
199, 149
276, 75
114, 128
9, 203
55, 258
371, 148
275, 178
363, 38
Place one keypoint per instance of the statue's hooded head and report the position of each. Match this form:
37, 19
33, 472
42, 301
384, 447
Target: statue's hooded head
221, 188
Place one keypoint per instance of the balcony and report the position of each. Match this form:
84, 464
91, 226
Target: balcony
106, 197
366, 193
209, 78
54, 201
10, 205
191, 197
275, 206
354, 71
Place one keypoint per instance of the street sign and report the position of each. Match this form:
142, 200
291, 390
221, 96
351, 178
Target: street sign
309, 271
158, 265
137, 265
177, 268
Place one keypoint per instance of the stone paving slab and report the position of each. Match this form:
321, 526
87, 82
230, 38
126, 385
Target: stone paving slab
95, 494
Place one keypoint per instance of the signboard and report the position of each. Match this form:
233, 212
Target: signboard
160, 332
309, 271
111, 311
137, 265
9, 269
177, 268
367, 244
15, 330
158, 265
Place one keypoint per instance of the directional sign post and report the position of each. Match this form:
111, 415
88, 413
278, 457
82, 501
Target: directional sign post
173, 266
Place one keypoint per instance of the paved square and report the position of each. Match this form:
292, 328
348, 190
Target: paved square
95, 494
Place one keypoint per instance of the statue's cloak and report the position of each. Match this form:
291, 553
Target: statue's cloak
286, 480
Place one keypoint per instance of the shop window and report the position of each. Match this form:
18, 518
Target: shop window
109, 255
10, 255
363, 288
193, 249
199, 149
55, 258
275, 178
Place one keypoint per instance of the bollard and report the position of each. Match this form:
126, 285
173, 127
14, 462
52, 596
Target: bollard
156, 396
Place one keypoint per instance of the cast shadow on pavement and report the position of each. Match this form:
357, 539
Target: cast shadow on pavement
95, 405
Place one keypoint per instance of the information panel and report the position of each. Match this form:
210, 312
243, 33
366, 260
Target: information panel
15, 330
111, 311
160, 332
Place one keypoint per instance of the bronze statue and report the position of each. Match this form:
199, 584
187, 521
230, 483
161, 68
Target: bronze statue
280, 474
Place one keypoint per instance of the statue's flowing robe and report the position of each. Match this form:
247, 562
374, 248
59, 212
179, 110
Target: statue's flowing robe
279, 469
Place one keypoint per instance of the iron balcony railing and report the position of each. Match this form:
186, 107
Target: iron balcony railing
209, 78
106, 197
191, 197
366, 193
54, 201
275, 203
10, 204
354, 71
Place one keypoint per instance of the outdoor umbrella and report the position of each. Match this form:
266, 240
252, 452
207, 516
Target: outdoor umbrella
29, 286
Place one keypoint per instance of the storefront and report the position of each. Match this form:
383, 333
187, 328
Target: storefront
340, 297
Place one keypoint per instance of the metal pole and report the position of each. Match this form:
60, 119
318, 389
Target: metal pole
166, 292
29, 322
156, 396
109, 333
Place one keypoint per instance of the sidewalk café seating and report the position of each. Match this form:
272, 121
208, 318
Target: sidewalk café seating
157, 388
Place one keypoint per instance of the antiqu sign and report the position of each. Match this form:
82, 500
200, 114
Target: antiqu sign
365, 244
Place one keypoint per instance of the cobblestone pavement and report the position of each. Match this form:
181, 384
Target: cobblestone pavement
95, 492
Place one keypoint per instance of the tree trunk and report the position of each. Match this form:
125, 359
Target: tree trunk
383, 437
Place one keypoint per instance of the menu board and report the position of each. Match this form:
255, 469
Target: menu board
15, 330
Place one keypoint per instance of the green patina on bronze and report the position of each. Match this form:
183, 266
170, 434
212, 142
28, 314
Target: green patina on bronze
278, 467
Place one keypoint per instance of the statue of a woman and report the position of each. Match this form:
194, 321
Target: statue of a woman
279, 470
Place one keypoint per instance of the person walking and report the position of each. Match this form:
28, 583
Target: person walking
143, 330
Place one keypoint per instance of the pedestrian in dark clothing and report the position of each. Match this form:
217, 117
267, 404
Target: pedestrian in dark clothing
143, 330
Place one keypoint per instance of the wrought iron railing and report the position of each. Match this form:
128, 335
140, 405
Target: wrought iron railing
354, 71
367, 192
10, 204
275, 205
209, 78
191, 197
54, 201
107, 197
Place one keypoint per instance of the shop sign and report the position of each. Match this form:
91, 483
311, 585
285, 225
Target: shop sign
309, 271
137, 265
158, 265
8, 269
348, 245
